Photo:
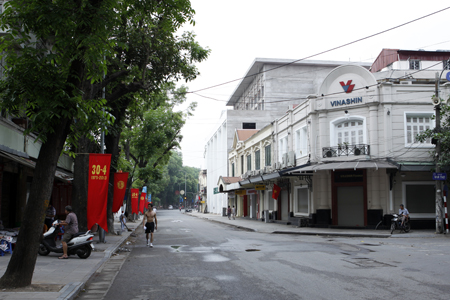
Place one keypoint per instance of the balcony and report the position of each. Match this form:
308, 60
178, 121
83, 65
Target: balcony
346, 150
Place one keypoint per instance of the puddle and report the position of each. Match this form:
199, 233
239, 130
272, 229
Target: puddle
177, 221
175, 247
215, 258
225, 278
252, 250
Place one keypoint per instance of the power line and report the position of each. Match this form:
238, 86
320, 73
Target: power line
323, 52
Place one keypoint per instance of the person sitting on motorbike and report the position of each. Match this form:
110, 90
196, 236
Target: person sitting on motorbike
71, 227
404, 213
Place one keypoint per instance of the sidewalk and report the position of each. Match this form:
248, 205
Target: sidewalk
63, 279
275, 228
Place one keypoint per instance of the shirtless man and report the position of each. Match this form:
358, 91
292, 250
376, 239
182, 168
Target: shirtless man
150, 224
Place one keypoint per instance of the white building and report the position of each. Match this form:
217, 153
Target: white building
269, 87
348, 155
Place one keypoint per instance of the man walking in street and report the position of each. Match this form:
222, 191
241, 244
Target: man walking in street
233, 213
150, 224
70, 228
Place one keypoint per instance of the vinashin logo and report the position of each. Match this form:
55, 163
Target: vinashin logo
348, 88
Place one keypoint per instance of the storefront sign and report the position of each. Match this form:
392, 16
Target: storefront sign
240, 192
346, 101
349, 176
202, 202
251, 192
260, 187
216, 190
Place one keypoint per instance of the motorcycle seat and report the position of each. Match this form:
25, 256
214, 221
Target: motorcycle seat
78, 234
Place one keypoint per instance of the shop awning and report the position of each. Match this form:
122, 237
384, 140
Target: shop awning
67, 177
416, 166
355, 165
295, 171
21, 160
270, 176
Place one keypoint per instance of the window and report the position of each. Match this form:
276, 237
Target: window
417, 123
258, 160
242, 164
414, 64
350, 132
301, 200
249, 162
232, 170
248, 125
301, 142
268, 155
282, 148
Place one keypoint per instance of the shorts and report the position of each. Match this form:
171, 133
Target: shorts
150, 227
66, 237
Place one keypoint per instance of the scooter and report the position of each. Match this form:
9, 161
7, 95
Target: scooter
80, 244
396, 223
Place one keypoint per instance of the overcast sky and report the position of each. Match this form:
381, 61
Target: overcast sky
237, 32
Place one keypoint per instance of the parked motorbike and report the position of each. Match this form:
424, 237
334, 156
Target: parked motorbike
80, 244
396, 223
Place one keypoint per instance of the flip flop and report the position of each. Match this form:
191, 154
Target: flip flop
63, 257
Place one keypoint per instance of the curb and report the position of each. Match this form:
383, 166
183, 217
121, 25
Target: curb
334, 234
71, 290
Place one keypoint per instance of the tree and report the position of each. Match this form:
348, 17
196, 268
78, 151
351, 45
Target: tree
52, 51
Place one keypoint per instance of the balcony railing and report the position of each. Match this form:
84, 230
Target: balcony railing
346, 150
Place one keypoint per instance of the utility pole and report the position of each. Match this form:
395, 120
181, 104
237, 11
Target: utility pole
439, 199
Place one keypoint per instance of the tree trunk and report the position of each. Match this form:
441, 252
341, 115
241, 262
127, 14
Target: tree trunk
20, 268
80, 182
112, 146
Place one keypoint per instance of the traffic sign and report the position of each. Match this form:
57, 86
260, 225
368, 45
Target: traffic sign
439, 176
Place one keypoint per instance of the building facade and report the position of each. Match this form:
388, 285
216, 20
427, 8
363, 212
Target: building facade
264, 94
348, 156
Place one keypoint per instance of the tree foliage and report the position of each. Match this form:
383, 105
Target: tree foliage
443, 136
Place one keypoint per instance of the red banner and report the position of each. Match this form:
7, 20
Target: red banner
276, 191
98, 189
134, 201
142, 203
120, 186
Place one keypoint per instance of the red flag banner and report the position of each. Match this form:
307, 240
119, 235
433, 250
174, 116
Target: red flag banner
276, 191
120, 185
98, 189
134, 201
142, 203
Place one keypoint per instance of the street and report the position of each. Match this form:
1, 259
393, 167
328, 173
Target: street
194, 258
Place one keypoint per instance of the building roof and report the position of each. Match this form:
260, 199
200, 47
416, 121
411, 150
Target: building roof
388, 56
258, 63
244, 134
229, 180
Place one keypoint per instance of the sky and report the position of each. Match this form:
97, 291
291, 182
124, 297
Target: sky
237, 32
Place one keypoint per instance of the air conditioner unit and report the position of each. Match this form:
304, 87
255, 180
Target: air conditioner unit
284, 161
291, 159
277, 166
253, 173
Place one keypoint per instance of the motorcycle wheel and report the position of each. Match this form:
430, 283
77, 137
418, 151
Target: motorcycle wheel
84, 252
407, 227
392, 228
43, 251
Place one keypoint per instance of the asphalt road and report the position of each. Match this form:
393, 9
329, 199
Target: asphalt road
198, 259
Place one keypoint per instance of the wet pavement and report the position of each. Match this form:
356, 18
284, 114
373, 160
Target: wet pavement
64, 279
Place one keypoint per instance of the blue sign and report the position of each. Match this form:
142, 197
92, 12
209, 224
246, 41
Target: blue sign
439, 176
448, 76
